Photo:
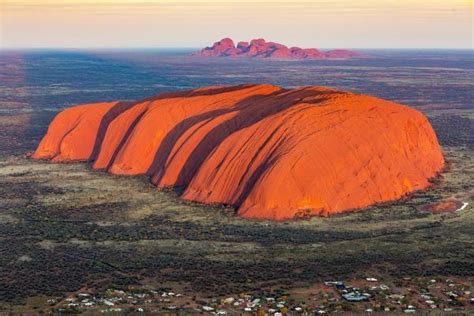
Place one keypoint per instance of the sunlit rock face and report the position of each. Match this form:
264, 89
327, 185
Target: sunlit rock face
263, 49
273, 153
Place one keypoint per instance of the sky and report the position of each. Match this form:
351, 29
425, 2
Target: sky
198, 23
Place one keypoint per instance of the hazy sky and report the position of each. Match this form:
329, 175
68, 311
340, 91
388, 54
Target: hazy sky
197, 23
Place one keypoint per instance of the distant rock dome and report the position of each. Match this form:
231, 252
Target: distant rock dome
261, 48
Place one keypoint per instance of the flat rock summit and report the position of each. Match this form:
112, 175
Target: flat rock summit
272, 153
263, 49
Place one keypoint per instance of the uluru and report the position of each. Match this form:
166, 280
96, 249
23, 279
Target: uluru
262, 49
270, 152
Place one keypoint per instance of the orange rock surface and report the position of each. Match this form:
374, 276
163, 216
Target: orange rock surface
77, 132
273, 153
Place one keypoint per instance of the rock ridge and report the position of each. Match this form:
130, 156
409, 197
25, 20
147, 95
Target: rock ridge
262, 49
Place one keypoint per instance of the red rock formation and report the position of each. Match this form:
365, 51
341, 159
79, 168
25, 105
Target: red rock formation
271, 152
261, 48
75, 133
224, 47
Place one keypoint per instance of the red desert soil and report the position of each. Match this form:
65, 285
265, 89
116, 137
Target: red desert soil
447, 206
263, 49
273, 153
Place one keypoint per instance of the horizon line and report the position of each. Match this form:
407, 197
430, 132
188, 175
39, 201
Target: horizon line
199, 48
